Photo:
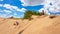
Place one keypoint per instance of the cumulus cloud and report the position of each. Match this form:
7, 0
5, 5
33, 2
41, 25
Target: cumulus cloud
8, 6
10, 9
46, 11
7, 11
23, 9
31, 2
49, 5
52, 5
3, 15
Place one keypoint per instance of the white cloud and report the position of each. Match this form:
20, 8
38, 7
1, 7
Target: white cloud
55, 7
46, 11
7, 11
31, 2
1, 0
10, 9
51, 5
22, 9
5, 15
7, 6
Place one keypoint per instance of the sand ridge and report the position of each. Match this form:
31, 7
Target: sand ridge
38, 25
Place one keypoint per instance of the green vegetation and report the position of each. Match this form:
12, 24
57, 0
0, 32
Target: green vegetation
29, 13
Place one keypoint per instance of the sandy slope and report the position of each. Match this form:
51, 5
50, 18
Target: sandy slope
39, 25
8, 27
44, 26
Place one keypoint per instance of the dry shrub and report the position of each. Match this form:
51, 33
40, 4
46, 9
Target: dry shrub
52, 17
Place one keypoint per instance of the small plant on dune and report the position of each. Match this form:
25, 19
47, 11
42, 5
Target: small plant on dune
29, 13
52, 17
11, 17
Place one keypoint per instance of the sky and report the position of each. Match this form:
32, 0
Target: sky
17, 8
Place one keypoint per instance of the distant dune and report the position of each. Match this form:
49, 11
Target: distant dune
38, 25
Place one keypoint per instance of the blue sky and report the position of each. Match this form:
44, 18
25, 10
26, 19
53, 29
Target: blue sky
16, 8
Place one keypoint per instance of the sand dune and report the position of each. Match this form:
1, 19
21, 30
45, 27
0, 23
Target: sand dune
39, 25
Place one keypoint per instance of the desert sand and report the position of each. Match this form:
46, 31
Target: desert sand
38, 25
